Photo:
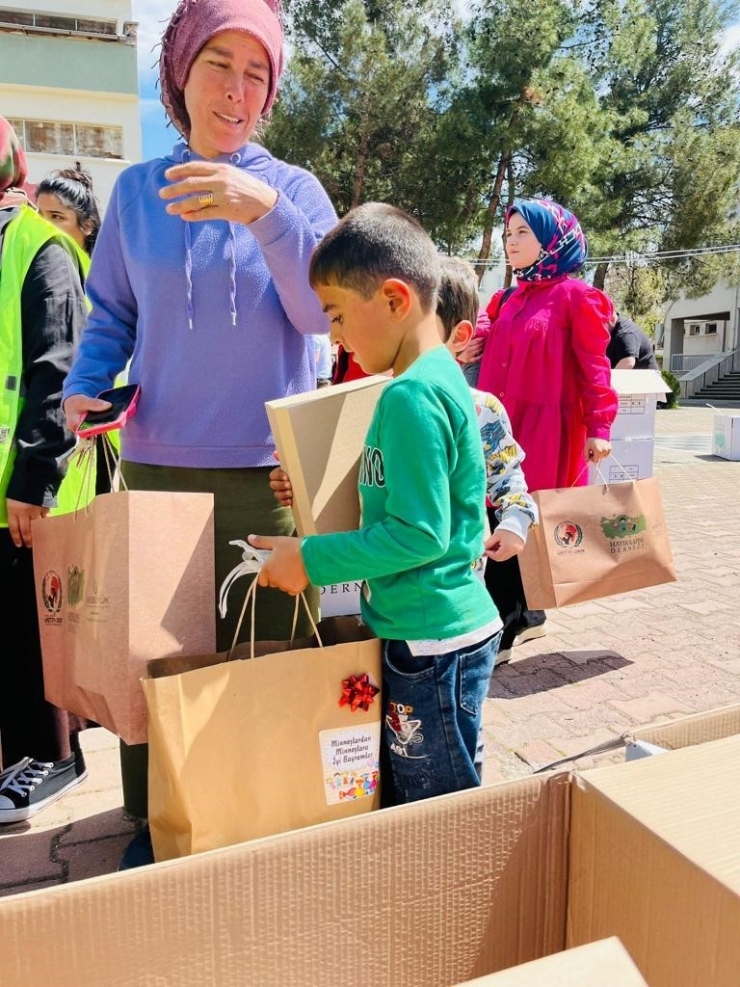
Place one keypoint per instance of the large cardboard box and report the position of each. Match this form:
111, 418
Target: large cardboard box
600, 964
726, 436
426, 895
633, 430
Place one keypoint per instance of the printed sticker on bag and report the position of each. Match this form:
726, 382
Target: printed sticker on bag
350, 757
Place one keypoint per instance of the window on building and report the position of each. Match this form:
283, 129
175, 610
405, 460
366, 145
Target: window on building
711, 329
694, 330
59, 22
15, 17
83, 140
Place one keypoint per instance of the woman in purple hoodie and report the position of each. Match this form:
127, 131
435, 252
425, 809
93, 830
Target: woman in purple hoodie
200, 278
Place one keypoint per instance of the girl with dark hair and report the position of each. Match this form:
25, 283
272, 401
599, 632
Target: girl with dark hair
66, 199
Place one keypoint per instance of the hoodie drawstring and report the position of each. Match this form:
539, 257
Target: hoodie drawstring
235, 160
232, 272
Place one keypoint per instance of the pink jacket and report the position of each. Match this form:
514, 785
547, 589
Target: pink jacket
545, 358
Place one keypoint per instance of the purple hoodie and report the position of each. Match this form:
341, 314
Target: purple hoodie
215, 317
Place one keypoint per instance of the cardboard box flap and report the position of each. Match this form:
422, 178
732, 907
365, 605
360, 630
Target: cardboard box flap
686, 731
655, 860
599, 964
319, 437
424, 895
638, 382
689, 798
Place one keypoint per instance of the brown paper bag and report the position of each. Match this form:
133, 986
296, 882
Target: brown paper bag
245, 748
596, 541
126, 580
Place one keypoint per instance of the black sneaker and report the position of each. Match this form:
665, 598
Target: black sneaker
29, 786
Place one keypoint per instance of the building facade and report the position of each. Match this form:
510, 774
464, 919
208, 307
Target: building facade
698, 328
68, 84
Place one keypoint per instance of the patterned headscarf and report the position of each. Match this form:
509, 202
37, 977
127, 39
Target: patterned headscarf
561, 238
193, 24
13, 168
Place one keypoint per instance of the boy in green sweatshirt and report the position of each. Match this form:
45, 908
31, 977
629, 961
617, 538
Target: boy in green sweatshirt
422, 490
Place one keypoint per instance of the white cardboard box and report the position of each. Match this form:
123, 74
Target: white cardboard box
726, 436
633, 431
630, 459
639, 392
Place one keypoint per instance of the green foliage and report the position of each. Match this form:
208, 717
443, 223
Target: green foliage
627, 111
671, 399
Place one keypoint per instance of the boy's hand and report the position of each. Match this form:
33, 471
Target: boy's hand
283, 569
281, 487
503, 545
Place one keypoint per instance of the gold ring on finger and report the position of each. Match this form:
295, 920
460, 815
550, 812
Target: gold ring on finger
206, 200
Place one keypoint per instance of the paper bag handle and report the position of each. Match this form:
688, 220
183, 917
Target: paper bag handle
251, 563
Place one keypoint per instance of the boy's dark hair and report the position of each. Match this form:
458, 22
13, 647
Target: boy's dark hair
374, 242
457, 298
74, 188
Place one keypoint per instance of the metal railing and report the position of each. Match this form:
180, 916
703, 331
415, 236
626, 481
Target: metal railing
711, 370
682, 363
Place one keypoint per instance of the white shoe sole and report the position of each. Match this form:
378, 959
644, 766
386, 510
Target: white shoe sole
27, 812
503, 657
529, 634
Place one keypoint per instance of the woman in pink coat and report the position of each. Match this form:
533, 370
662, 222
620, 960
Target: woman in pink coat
544, 356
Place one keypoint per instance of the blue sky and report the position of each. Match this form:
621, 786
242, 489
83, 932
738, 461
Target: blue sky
152, 16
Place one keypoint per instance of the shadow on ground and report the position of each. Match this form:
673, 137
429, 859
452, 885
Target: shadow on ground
544, 672
33, 859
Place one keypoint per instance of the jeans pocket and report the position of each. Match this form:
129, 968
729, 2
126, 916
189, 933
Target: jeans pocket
476, 667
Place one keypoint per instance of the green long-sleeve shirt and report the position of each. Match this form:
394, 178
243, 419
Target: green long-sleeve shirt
422, 490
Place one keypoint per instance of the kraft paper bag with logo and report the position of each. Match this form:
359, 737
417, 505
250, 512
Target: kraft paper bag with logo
242, 747
127, 579
596, 541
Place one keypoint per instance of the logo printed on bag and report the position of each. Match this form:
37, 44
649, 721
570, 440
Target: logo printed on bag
407, 731
623, 526
51, 592
568, 534
75, 586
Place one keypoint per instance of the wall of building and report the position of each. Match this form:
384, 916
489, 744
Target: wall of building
74, 97
718, 305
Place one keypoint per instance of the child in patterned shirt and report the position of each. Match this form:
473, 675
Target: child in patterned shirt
511, 509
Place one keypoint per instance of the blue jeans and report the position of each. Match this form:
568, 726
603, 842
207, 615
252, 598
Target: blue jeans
433, 706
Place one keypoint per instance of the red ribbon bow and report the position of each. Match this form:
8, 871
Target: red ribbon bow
358, 692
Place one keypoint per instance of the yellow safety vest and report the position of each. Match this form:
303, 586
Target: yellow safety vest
24, 237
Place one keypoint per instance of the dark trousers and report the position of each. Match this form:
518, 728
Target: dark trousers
504, 583
29, 725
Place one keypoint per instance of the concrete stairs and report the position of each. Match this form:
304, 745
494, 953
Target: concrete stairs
727, 388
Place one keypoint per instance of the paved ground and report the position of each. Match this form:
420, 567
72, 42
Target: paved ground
603, 667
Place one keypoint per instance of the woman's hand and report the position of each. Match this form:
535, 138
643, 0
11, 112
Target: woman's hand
20, 516
216, 190
597, 449
77, 405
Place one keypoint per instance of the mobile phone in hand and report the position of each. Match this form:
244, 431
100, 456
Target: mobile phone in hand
123, 405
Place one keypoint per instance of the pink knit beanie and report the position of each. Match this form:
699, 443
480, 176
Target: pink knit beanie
194, 23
